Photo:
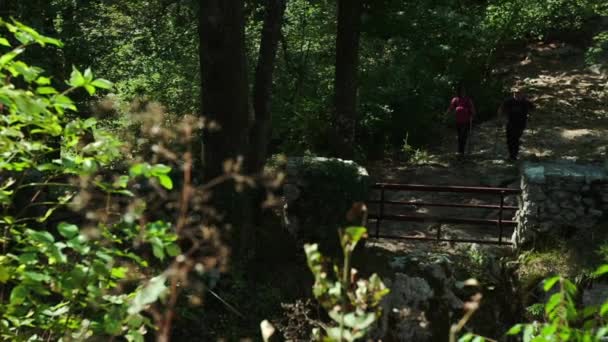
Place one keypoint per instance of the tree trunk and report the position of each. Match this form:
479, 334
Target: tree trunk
347, 53
224, 91
225, 101
262, 88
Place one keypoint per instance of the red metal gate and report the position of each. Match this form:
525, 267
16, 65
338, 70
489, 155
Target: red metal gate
499, 222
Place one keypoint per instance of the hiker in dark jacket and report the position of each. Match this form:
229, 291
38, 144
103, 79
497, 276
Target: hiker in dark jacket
463, 106
516, 110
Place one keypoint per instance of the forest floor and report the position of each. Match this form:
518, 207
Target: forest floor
568, 124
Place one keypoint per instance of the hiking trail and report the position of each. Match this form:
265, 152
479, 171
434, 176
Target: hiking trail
568, 124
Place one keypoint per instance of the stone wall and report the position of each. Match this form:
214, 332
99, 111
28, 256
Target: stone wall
559, 198
317, 194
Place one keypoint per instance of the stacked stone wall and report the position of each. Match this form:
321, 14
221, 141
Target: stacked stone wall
558, 198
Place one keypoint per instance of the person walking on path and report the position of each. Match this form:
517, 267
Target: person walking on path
516, 110
464, 109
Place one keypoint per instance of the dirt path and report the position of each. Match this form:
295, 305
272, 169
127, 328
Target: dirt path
570, 123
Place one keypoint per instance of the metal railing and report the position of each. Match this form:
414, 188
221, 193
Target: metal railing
499, 221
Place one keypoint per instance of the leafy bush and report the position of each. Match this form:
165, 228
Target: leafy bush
67, 279
564, 320
79, 258
598, 52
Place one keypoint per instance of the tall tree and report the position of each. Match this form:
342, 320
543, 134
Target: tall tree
347, 57
262, 87
224, 91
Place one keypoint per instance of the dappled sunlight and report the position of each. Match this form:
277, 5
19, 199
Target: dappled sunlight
571, 134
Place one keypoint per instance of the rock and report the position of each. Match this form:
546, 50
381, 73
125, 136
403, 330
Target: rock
569, 216
537, 196
597, 295
291, 192
596, 212
545, 227
572, 187
552, 207
567, 205
409, 325
410, 291
580, 211
590, 202
560, 194
404, 318
586, 223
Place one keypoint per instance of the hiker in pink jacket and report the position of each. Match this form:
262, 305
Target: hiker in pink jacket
464, 110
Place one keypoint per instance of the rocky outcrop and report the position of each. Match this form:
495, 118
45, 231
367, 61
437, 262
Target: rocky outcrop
422, 290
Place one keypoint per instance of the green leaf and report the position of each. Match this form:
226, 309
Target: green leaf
173, 250
39, 236
157, 248
43, 80
63, 101
528, 332
35, 276
104, 256
160, 169
90, 89
601, 332
88, 75
359, 321
46, 90
57, 310
466, 337
67, 230
351, 237
124, 192
601, 271
356, 233
135, 336
77, 244
28, 258
52, 41
89, 165
119, 272
103, 84
121, 182
76, 78
47, 214
5, 274
604, 309
138, 169
589, 311
549, 283
111, 325
4, 42
18, 295
553, 302
24, 38
7, 57
148, 294
165, 181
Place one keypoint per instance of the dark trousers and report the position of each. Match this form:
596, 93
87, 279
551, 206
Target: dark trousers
463, 133
514, 132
